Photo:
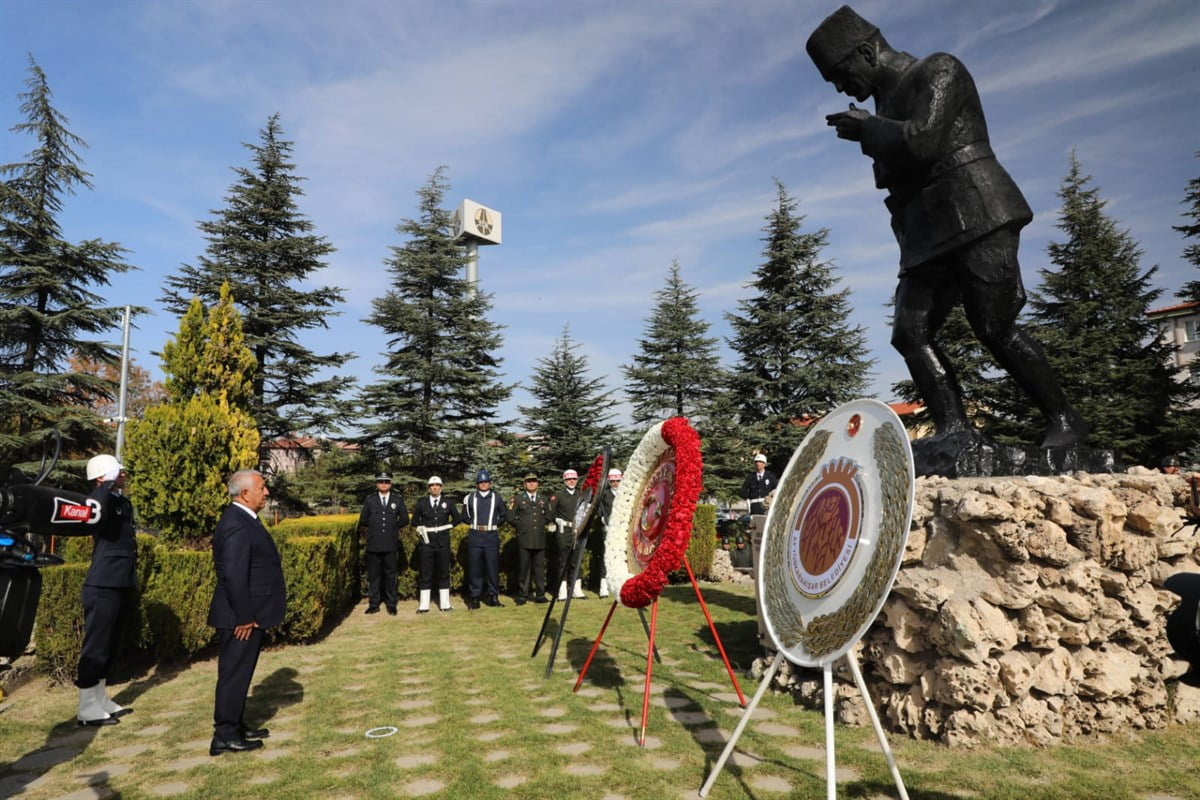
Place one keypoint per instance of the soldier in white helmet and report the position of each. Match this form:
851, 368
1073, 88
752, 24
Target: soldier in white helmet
563, 505
604, 507
107, 592
433, 517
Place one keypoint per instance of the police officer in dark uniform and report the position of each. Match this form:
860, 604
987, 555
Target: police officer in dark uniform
433, 516
383, 515
532, 518
957, 215
758, 485
565, 502
485, 513
107, 592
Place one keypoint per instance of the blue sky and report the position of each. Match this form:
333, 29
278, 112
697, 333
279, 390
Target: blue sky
612, 136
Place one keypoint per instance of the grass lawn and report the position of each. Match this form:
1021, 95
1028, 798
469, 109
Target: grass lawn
476, 719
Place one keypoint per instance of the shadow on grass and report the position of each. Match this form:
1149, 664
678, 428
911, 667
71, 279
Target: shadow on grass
273, 693
871, 789
713, 596
68, 739
603, 671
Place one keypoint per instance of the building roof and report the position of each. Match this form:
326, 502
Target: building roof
1179, 308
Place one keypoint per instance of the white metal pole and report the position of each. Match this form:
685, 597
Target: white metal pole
737, 732
883, 742
121, 402
472, 268
830, 776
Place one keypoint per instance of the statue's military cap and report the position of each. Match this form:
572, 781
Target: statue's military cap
836, 37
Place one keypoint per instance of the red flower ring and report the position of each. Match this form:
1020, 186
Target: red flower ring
593, 477
645, 535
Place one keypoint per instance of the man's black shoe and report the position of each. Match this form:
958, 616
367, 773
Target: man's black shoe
372, 609
220, 746
493, 601
254, 733
472, 603
539, 598
392, 610
98, 723
520, 601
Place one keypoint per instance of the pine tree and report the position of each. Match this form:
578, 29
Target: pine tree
1191, 290
676, 371
799, 358
48, 307
570, 419
1090, 314
438, 399
200, 437
727, 453
264, 248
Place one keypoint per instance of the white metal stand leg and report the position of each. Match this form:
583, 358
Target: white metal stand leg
741, 726
883, 742
830, 769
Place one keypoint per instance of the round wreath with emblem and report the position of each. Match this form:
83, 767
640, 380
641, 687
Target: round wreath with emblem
651, 521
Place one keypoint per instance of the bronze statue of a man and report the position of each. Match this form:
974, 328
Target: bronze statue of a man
956, 213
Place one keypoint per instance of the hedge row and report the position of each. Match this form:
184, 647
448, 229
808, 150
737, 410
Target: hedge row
322, 565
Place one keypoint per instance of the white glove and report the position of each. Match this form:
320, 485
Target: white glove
421, 532
112, 474
562, 523
550, 526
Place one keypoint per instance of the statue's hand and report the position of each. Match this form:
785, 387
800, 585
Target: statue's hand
848, 123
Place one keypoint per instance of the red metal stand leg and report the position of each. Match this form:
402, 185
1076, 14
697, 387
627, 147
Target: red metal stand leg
649, 668
716, 637
595, 645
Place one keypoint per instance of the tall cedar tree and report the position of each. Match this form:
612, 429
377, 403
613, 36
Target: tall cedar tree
727, 453
677, 370
440, 390
798, 356
1191, 290
264, 248
48, 309
1090, 314
570, 420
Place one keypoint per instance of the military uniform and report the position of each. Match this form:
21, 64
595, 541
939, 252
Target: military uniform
565, 503
531, 517
485, 513
382, 516
433, 517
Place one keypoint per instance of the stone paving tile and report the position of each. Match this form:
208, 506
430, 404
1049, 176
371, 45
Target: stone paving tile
509, 781
483, 719
489, 736
282, 736
620, 722
652, 742
672, 702
270, 754
664, 764
574, 748
590, 691
553, 712
90, 793
477, 702
800, 752
739, 758
711, 736
420, 722
259, 780
557, 728
412, 705
358, 687
708, 685
153, 730
770, 783
691, 717
776, 729
170, 714
614, 797
102, 773
415, 760
845, 774
496, 755
585, 770
169, 789
41, 760
345, 753
760, 713
182, 764
9, 784
420, 788
729, 697
604, 707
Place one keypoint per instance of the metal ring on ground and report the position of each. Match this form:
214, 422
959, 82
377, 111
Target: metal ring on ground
382, 731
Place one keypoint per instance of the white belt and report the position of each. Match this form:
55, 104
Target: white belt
485, 527
438, 529
757, 500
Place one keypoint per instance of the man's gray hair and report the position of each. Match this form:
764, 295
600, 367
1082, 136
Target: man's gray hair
240, 481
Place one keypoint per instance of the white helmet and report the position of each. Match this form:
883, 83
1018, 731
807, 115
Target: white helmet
614, 474
99, 466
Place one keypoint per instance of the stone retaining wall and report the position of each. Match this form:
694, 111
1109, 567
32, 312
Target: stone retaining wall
1028, 610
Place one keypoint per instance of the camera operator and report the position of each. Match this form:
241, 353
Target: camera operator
107, 592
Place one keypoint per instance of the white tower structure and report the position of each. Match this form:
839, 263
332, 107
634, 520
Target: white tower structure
475, 225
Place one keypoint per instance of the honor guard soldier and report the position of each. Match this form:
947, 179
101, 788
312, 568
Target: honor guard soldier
434, 516
565, 503
485, 513
532, 517
383, 515
107, 592
758, 485
604, 507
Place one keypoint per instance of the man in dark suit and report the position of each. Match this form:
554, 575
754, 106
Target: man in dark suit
249, 596
383, 515
107, 592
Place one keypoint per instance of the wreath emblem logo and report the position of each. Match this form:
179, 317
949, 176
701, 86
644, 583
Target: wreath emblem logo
825, 529
483, 222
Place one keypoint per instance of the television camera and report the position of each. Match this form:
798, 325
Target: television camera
29, 510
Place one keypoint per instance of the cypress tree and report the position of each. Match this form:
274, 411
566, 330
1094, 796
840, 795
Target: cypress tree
570, 418
264, 248
1090, 313
677, 370
49, 309
437, 399
798, 356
